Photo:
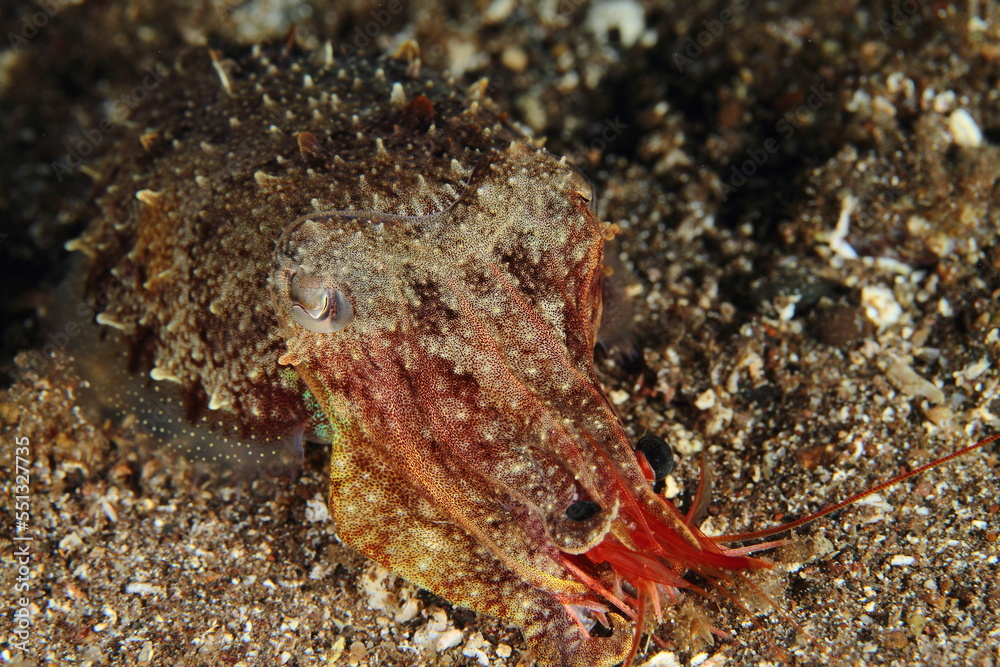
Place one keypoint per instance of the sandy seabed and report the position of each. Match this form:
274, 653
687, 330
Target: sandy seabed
808, 196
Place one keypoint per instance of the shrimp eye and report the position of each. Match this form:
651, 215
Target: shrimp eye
582, 510
319, 309
658, 454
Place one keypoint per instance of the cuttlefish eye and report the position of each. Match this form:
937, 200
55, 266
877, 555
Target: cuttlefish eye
319, 309
585, 187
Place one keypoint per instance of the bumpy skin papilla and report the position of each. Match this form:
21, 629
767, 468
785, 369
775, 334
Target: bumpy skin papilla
221, 159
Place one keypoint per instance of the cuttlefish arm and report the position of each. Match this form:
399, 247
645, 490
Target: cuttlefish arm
472, 448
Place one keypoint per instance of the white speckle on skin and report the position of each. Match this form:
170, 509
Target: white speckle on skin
397, 97
217, 401
109, 320
148, 197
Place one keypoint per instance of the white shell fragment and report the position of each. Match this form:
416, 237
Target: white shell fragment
909, 383
964, 130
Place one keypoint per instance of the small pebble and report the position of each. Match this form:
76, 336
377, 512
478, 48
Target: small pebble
618, 397
880, 305
449, 639
336, 650
357, 654
705, 400
514, 58
939, 415
146, 653
911, 384
838, 325
964, 130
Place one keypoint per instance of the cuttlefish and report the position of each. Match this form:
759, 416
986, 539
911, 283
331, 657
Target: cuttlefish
296, 246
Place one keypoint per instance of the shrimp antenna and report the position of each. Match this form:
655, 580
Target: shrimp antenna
740, 537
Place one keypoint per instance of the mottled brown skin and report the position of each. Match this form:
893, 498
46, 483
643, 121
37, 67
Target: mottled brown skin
194, 200
435, 282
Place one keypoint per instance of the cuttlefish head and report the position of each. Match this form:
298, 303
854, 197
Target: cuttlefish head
473, 450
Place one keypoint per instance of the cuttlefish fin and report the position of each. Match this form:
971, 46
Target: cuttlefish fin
152, 408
